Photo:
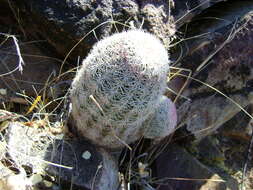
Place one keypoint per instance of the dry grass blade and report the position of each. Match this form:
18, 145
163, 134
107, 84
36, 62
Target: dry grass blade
182, 17
21, 61
185, 83
5, 115
34, 104
96, 103
229, 39
188, 179
100, 166
218, 91
90, 32
15, 40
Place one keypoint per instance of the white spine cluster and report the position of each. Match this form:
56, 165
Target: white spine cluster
118, 87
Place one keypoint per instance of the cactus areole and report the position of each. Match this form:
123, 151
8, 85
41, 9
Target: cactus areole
119, 87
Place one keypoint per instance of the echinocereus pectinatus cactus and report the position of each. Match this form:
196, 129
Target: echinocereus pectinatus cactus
118, 87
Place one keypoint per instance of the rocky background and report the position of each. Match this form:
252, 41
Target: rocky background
211, 82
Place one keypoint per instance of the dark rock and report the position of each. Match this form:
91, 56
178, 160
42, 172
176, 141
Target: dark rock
92, 168
38, 70
177, 169
223, 60
7, 19
233, 139
184, 10
64, 23
73, 161
225, 152
208, 148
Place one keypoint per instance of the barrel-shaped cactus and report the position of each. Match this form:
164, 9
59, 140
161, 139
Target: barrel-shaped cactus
163, 121
118, 87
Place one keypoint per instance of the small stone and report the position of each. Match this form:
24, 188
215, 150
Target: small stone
86, 155
3, 91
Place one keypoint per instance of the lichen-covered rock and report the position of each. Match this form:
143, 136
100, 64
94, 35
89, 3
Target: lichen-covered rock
118, 87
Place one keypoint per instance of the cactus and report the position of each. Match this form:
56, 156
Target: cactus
163, 121
118, 87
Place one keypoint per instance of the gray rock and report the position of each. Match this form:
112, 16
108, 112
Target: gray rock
223, 60
177, 169
204, 120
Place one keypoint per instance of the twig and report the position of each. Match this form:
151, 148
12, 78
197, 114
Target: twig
21, 61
